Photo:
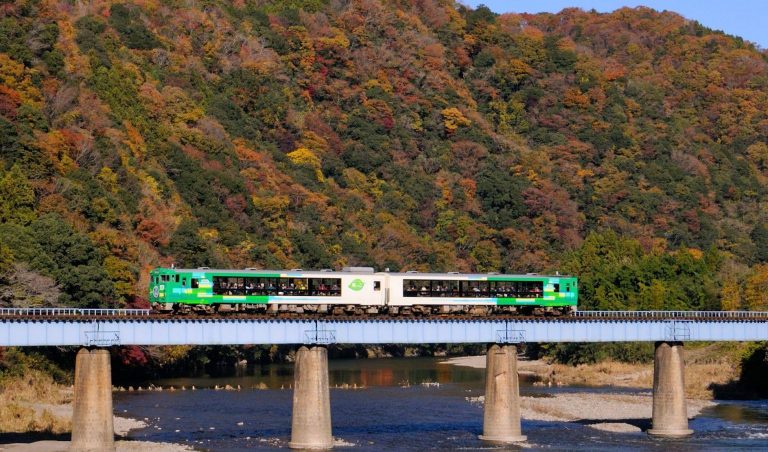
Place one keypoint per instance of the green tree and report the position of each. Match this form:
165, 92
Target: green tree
189, 249
75, 263
759, 238
17, 198
127, 22
501, 194
6, 261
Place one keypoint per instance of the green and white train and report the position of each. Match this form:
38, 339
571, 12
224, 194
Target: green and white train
359, 291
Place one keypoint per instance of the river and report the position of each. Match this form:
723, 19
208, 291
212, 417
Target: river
404, 404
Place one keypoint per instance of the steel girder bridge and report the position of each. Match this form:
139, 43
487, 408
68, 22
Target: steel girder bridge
84, 327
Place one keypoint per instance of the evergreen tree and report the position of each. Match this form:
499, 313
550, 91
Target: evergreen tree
188, 248
17, 199
759, 237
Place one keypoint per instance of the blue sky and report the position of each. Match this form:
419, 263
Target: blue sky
745, 18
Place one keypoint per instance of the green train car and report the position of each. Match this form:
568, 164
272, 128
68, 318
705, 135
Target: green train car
360, 290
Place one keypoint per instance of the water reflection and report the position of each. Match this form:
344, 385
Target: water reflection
344, 373
753, 412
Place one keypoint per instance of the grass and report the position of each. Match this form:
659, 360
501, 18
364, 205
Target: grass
706, 365
24, 400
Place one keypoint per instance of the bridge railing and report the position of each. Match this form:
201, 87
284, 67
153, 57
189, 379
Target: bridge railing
86, 312
671, 314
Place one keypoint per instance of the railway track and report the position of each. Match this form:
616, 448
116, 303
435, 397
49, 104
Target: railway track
75, 314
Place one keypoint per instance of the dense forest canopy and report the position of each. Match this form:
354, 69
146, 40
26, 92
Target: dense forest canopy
628, 148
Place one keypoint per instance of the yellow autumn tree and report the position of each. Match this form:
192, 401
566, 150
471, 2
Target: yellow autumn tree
756, 290
18, 78
453, 118
304, 157
730, 296
123, 276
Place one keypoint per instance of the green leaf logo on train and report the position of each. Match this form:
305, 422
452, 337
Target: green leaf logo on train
356, 285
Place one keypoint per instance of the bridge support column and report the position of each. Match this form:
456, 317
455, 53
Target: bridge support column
670, 414
92, 424
311, 420
501, 417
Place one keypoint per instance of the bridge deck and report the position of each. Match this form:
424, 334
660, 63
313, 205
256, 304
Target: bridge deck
25, 331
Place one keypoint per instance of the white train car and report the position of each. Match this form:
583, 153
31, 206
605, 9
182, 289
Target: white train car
443, 293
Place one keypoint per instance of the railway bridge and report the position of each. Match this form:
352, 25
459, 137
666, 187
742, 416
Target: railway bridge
95, 329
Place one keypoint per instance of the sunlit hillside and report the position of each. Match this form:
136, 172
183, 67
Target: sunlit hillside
628, 148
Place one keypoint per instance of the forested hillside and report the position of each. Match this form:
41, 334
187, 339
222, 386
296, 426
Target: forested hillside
627, 148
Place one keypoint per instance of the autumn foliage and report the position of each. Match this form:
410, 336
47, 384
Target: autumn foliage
399, 134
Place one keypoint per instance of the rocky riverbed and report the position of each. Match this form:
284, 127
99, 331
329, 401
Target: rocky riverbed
600, 410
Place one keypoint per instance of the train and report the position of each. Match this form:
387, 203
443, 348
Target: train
359, 291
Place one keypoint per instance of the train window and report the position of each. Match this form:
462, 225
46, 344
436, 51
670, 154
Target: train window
296, 286
531, 289
183, 281
325, 287
229, 285
453, 288
177, 278
164, 278
416, 288
505, 289
557, 287
444, 288
501, 289
377, 286
475, 289
194, 283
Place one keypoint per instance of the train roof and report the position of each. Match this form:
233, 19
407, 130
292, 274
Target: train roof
360, 271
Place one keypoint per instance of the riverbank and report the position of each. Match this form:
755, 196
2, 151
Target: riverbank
701, 375
36, 415
27, 442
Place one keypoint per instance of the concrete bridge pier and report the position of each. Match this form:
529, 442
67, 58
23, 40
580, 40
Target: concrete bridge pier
311, 420
92, 424
670, 414
501, 417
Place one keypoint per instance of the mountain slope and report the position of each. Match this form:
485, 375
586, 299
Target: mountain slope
401, 134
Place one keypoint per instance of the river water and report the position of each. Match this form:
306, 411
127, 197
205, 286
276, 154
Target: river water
406, 404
